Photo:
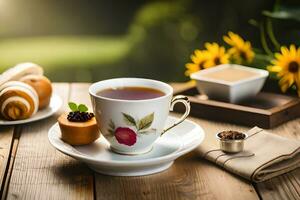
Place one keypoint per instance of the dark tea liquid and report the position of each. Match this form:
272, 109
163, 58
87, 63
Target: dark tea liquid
131, 93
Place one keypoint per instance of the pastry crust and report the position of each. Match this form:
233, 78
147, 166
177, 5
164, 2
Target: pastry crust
17, 100
42, 86
25, 111
20, 70
78, 133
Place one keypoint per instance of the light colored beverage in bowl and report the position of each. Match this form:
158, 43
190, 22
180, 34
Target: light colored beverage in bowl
230, 74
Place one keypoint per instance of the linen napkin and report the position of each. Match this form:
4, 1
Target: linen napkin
265, 155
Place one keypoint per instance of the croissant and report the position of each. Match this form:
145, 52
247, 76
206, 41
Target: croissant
20, 70
18, 100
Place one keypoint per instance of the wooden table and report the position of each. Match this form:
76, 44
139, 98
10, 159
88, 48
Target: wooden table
30, 168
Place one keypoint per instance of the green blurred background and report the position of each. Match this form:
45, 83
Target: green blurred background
79, 40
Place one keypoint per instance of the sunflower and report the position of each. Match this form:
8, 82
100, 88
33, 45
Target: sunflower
216, 55
287, 66
241, 50
198, 58
212, 56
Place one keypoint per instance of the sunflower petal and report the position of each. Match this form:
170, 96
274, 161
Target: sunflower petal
198, 52
188, 72
231, 34
195, 59
274, 68
221, 50
231, 51
208, 64
287, 79
248, 44
284, 51
297, 79
284, 87
278, 56
207, 45
192, 66
241, 50
293, 51
224, 60
228, 40
284, 84
298, 52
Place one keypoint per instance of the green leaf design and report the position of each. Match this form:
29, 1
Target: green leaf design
73, 106
146, 122
148, 131
82, 108
111, 128
112, 125
129, 120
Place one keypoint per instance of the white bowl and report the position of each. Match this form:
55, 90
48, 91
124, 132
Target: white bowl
230, 91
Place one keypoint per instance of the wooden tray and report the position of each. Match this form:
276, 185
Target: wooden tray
266, 110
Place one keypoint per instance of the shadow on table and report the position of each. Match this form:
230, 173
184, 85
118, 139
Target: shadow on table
74, 172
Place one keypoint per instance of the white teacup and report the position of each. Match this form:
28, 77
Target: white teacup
132, 126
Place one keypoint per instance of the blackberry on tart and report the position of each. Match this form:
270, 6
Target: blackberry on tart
78, 127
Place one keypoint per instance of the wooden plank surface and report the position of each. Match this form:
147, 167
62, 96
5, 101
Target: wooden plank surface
6, 143
40, 171
10, 164
189, 178
286, 186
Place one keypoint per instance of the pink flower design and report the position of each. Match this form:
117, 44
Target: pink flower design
125, 136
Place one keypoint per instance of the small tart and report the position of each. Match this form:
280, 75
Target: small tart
78, 133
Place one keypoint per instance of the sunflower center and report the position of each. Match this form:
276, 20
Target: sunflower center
201, 65
217, 61
243, 55
293, 67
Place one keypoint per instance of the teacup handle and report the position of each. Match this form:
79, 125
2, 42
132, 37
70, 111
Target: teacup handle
186, 103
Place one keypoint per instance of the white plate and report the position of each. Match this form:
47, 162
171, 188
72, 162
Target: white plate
98, 156
55, 104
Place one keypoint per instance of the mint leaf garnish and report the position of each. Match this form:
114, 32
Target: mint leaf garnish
82, 108
73, 106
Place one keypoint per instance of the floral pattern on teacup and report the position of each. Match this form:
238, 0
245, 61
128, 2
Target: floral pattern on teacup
128, 135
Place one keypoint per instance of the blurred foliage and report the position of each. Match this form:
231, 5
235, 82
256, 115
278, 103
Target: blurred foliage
152, 49
284, 12
159, 39
273, 26
67, 58
157, 43
279, 27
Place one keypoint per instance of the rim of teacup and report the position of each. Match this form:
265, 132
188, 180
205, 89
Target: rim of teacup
93, 89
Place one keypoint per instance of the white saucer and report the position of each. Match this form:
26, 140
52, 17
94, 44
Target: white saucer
55, 104
98, 156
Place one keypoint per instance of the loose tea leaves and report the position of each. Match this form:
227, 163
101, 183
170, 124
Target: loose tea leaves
231, 135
